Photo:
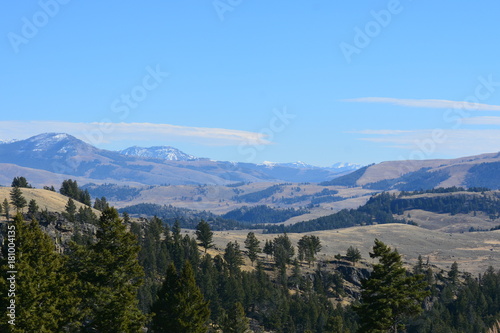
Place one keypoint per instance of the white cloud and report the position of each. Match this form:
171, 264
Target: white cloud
382, 132
104, 133
482, 121
441, 142
427, 103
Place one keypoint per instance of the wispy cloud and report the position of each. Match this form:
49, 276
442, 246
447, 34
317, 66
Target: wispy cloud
105, 133
482, 121
381, 132
427, 103
450, 142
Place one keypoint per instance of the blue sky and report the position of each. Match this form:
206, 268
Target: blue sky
318, 81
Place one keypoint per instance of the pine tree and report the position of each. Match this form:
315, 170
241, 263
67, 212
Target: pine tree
45, 297
180, 306
17, 199
268, 248
110, 276
309, 246
353, 254
86, 215
234, 320
126, 217
101, 204
252, 244
390, 295
84, 197
204, 235
453, 273
283, 251
70, 210
6, 208
20, 182
233, 257
32, 209
419, 267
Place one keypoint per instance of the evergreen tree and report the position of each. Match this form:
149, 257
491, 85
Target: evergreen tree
17, 199
70, 210
283, 251
45, 300
126, 218
110, 276
70, 189
176, 231
233, 257
101, 204
86, 215
268, 248
252, 244
419, 267
6, 208
180, 306
84, 197
204, 235
453, 273
390, 295
32, 209
234, 320
20, 182
353, 254
308, 247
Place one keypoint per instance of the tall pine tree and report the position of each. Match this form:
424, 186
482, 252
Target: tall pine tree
252, 244
390, 295
180, 306
17, 199
111, 275
204, 235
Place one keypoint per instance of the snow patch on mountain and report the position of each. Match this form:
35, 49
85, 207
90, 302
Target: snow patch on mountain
341, 166
159, 152
345, 166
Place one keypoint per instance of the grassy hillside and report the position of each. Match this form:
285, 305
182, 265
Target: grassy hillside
52, 201
474, 252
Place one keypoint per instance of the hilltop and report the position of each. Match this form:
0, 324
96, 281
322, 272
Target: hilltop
52, 201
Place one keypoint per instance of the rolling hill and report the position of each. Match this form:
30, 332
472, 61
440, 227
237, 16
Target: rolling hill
473, 171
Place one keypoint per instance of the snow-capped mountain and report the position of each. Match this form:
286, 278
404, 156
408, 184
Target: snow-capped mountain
52, 155
337, 167
298, 164
160, 152
7, 141
342, 166
48, 145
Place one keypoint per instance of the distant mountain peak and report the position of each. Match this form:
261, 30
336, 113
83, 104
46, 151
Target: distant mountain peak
8, 141
346, 166
159, 152
341, 166
59, 143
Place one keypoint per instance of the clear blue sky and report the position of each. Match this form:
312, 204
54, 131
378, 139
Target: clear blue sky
319, 81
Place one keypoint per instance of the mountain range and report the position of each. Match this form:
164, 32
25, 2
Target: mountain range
57, 156
49, 158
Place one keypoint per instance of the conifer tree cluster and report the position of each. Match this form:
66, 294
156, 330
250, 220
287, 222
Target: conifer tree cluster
90, 288
70, 189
